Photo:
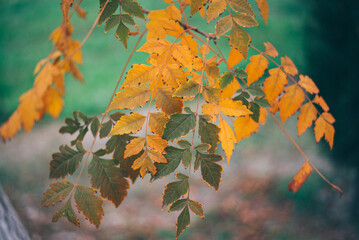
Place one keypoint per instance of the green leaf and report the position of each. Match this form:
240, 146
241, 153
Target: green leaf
57, 192
209, 133
126, 167
110, 9
133, 8
241, 6
184, 144
187, 89
203, 147
117, 144
240, 73
94, 126
255, 108
68, 212
262, 102
226, 79
243, 98
112, 22
108, 179
116, 116
105, 129
256, 90
123, 33
100, 152
179, 125
183, 221
210, 170
196, 208
187, 157
65, 162
240, 39
174, 157
223, 25
127, 19
178, 205
174, 191
89, 204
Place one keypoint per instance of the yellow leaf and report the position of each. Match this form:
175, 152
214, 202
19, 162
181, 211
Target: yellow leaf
228, 91
274, 84
270, 50
307, 115
211, 94
128, 124
264, 9
210, 110
321, 102
300, 177
288, 66
76, 72
143, 163
262, 116
39, 65
134, 147
215, 8
172, 75
255, 69
131, 98
244, 127
45, 78
183, 55
140, 74
165, 101
157, 122
187, 40
324, 128
233, 108
234, 57
275, 106
155, 30
174, 13
30, 105
308, 84
227, 138
53, 102
74, 51
290, 102
157, 156
9, 129
155, 46
156, 142
212, 71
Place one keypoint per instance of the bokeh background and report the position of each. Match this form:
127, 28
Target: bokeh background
253, 202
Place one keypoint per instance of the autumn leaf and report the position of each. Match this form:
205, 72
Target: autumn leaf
144, 163
308, 114
187, 89
131, 98
196, 5
244, 20
156, 156
324, 128
288, 66
53, 102
240, 40
264, 9
209, 133
300, 177
321, 102
255, 69
308, 84
165, 101
274, 84
234, 57
215, 8
233, 108
270, 50
157, 122
89, 204
108, 178
134, 147
211, 94
244, 127
290, 102
140, 74
223, 25
156, 142
128, 124
227, 138
117, 145
11, 127
57, 192
241, 6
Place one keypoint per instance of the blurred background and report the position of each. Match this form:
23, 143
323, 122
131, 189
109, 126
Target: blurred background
253, 201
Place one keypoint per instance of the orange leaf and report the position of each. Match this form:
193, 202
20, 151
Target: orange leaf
228, 91
255, 69
321, 102
324, 128
143, 163
165, 101
131, 98
290, 102
233, 108
53, 102
270, 50
308, 84
134, 147
308, 114
29, 107
234, 57
157, 122
140, 74
128, 124
11, 127
156, 142
288, 66
264, 9
300, 177
274, 84
244, 127
227, 138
